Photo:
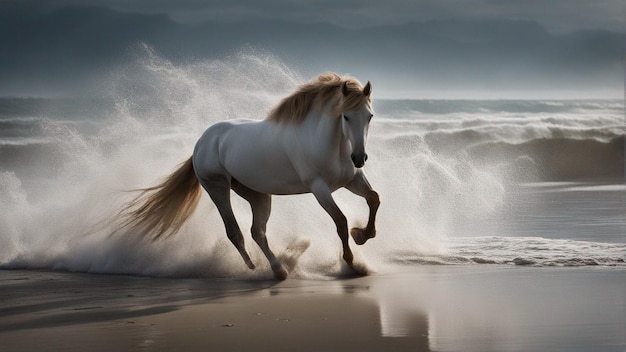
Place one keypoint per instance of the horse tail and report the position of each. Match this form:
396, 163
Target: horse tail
161, 211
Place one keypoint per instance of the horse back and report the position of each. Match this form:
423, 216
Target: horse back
252, 152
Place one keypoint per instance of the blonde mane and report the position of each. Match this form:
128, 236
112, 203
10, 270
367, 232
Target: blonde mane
326, 90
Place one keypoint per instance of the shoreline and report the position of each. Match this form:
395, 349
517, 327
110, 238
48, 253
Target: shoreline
417, 308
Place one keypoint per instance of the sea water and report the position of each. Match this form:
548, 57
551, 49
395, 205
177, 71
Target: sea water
462, 182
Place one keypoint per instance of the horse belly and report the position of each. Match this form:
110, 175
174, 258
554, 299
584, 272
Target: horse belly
270, 178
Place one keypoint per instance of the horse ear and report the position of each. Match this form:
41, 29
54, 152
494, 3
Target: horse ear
367, 90
344, 88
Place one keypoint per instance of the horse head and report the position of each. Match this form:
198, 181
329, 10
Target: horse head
355, 121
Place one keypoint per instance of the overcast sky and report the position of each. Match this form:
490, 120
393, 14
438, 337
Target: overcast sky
555, 15
479, 45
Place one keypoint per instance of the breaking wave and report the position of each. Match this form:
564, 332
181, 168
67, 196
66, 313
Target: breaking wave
522, 251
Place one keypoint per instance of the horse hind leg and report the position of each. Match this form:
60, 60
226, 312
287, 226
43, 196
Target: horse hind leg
261, 205
218, 188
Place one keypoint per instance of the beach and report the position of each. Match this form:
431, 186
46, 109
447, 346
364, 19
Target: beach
428, 308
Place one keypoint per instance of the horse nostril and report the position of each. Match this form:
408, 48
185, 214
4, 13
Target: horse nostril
358, 161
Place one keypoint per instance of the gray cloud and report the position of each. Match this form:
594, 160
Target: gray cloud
57, 47
555, 15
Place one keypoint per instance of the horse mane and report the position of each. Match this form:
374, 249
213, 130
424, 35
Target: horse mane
320, 92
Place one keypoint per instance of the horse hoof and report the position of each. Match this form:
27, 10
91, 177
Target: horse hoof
281, 274
354, 270
359, 235
359, 269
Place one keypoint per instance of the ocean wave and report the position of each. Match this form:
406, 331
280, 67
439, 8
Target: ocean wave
518, 133
407, 107
490, 128
543, 155
19, 127
559, 158
34, 130
520, 251
23, 141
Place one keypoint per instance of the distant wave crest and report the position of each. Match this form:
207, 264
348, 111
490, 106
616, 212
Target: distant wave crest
521, 251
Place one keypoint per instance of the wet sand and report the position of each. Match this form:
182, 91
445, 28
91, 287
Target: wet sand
423, 308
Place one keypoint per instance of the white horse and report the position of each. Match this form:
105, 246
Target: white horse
312, 142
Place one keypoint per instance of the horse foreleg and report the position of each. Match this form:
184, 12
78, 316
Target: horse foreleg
324, 197
219, 190
360, 186
261, 205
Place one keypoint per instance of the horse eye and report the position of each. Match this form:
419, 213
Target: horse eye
345, 117
370, 118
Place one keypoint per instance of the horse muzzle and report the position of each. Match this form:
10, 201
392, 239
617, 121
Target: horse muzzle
358, 160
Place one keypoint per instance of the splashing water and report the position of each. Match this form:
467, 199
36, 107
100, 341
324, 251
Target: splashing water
58, 214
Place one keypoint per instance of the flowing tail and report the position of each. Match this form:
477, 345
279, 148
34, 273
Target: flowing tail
160, 211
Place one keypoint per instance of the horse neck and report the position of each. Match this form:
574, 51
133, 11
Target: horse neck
323, 129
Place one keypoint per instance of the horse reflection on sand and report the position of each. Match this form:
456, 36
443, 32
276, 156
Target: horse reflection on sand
313, 141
